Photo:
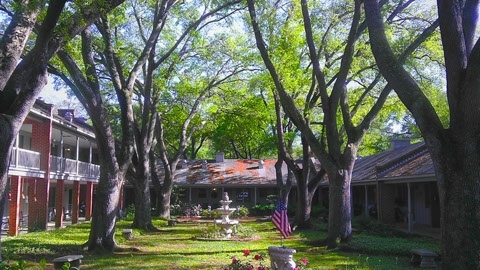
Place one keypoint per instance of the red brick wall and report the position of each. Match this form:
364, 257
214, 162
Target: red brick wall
89, 201
38, 204
75, 201
39, 188
386, 209
41, 141
14, 219
59, 193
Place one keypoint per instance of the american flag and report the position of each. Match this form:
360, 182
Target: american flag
280, 219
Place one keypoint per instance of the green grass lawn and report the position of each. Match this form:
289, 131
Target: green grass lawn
178, 248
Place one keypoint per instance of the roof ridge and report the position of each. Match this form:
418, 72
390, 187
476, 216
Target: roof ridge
393, 164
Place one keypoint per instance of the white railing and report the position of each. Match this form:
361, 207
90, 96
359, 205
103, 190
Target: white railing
66, 165
88, 169
25, 159
22, 158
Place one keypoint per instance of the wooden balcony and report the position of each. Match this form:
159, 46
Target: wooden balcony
29, 160
22, 158
74, 167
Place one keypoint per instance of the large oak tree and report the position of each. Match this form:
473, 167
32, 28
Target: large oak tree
332, 99
45, 26
454, 148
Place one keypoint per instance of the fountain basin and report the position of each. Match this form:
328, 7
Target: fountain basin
226, 227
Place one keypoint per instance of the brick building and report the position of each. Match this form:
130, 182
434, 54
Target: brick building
52, 171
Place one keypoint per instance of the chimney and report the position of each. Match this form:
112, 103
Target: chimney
260, 164
184, 164
399, 143
204, 164
68, 114
220, 157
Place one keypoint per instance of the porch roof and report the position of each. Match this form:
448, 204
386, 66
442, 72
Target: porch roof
408, 162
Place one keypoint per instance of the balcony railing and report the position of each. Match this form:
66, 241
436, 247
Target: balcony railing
66, 165
22, 158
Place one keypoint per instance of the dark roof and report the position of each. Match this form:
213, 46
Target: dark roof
230, 172
410, 161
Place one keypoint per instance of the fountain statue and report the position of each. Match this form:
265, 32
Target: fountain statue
225, 223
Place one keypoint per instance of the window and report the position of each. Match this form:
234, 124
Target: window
214, 193
263, 192
202, 193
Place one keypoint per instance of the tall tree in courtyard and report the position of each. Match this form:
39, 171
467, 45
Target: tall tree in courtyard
344, 55
183, 106
454, 148
45, 26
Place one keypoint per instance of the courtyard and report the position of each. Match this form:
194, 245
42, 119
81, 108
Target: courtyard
191, 244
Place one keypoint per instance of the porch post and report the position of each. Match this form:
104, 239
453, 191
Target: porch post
75, 201
60, 154
190, 195
16, 150
90, 153
89, 201
14, 220
255, 196
59, 193
409, 208
366, 201
77, 149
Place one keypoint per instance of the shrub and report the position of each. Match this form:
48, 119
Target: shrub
177, 209
210, 214
318, 211
130, 212
262, 209
210, 232
242, 211
193, 211
244, 232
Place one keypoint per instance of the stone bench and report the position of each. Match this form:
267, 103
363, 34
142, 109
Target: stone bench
423, 257
172, 222
74, 260
128, 234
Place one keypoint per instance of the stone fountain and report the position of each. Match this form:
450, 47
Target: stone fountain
225, 223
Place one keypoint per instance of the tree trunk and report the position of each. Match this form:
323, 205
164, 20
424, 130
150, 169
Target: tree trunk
459, 186
166, 190
454, 150
165, 195
339, 215
6, 145
143, 216
102, 231
304, 207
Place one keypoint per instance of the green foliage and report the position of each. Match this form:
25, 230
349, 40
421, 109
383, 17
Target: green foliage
210, 232
318, 211
130, 212
12, 262
262, 209
245, 232
211, 214
240, 212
